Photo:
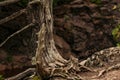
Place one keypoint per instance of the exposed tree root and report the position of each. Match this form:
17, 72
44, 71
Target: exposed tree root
70, 71
12, 16
7, 2
17, 32
114, 67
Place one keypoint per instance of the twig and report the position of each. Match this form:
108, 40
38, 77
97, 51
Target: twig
14, 15
22, 74
7, 2
17, 32
34, 2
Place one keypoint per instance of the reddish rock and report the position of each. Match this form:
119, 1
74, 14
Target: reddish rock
3, 54
62, 46
2, 67
61, 43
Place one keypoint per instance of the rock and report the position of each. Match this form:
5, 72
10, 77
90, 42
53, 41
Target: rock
61, 43
3, 54
62, 46
2, 67
89, 26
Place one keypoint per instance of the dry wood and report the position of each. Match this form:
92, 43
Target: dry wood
17, 32
7, 2
49, 62
12, 16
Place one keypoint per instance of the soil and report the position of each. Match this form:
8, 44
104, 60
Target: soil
81, 29
112, 75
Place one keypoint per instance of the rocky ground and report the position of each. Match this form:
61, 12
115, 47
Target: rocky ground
81, 28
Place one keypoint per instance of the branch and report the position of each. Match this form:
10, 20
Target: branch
7, 2
17, 32
34, 2
14, 15
22, 74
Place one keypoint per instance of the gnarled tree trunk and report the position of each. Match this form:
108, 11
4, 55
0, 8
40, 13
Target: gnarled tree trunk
48, 59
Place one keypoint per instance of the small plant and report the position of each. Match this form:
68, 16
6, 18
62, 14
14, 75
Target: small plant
23, 3
116, 34
35, 78
96, 1
1, 77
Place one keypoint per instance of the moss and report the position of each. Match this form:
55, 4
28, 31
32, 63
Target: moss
96, 1
116, 34
23, 3
36, 78
1, 77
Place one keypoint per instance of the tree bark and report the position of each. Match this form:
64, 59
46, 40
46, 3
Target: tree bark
49, 62
47, 55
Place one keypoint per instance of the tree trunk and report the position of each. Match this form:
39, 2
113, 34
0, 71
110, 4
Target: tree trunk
47, 57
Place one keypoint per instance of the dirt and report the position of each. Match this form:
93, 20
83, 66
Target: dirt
105, 65
112, 75
13, 64
86, 26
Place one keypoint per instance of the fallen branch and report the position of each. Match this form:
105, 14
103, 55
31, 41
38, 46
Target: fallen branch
34, 2
17, 32
14, 15
22, 74
7, 2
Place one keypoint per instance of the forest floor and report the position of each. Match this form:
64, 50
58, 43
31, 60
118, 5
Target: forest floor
102, 67
81, 29
112, 75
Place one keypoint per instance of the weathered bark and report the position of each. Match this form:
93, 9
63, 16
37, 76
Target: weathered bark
7, 2
49, 62
46, 54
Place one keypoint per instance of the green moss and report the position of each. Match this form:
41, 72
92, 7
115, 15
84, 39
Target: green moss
23, 3
35, 77
96, 1
1, 77
116, 34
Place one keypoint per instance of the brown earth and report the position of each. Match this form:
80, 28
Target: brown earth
112, 75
